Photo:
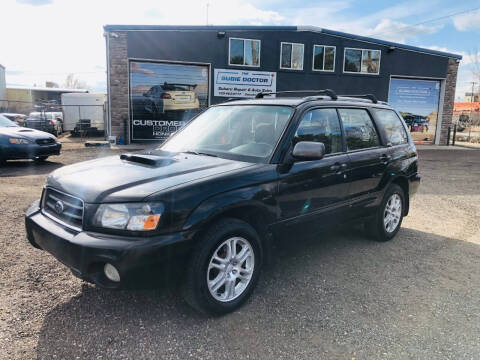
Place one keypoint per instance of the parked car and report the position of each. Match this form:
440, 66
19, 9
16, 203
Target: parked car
18, 142
19, 119
214, 197
45, 121
171, 97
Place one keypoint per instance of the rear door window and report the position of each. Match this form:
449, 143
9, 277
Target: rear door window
360, 132
321, 125
392, 124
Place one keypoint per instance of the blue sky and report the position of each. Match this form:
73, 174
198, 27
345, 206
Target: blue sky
75, 29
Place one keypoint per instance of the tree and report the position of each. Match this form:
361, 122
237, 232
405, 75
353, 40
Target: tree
72, 83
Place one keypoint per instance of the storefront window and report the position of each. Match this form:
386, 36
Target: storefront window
245, 52
164, 97
291, 56
362, 61
323, 58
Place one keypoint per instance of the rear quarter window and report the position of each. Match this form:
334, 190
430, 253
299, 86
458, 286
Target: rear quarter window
392, 125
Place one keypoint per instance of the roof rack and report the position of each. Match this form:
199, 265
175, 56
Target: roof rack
370, 97
327, 92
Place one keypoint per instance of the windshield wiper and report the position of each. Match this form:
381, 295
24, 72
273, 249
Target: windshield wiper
198, 153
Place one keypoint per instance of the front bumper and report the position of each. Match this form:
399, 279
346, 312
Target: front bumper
86, 253
30, 151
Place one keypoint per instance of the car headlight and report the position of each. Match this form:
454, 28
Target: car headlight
131, 216
19, 141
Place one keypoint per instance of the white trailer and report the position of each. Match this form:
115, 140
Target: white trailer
83, 108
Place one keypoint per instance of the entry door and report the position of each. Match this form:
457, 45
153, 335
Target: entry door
368, 159
313, 186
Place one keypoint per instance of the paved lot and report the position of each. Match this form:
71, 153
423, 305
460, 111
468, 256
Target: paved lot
332, 296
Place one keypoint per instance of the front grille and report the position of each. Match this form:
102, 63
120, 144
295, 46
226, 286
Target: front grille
64, 207
47, 141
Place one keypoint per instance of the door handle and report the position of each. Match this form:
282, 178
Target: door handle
337, 167
385, 158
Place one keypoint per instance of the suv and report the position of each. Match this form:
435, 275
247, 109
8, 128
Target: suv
216, 195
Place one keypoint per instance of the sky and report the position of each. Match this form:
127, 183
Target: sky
45, 40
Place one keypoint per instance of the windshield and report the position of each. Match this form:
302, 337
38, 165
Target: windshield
240, 132
4, 122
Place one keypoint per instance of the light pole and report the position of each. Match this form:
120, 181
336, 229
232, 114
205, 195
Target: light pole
471, 109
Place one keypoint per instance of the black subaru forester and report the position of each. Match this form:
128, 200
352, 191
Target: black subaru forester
219, 192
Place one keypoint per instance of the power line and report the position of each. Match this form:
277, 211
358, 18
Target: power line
428, 21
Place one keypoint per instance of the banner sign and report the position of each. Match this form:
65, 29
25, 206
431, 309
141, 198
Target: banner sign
417, 101
243, 84
164, 97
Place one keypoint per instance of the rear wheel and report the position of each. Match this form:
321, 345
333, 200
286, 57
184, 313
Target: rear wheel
224, 268
389, 216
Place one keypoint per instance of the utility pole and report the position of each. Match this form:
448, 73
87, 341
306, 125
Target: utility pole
471, 109
207, 12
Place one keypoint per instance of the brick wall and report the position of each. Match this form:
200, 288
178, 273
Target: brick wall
450, 84
119, 84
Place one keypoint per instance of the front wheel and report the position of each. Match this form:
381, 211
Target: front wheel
224, 268
389, 216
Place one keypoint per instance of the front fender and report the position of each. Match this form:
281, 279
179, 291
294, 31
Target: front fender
258, 198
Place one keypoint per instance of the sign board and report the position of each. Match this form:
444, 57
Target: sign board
164, 97
243, 84
417, 101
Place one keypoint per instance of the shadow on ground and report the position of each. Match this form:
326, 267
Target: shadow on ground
335, 295
28, 167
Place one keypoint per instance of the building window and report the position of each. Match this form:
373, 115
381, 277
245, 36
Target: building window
323, 58
363, 61
291, 56
244, 52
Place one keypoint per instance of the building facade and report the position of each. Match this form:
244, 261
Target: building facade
3, 88
161, 76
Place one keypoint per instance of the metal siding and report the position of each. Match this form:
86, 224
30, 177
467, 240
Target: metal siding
205, 47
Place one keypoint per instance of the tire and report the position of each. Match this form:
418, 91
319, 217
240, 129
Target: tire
379, 228
40, 159
204, 269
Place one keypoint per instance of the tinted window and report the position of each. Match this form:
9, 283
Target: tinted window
359, 130
321, 125
236, 51
362, 61
291, 56
323, 57
392, 125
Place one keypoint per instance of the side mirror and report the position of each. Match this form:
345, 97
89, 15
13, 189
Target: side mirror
308, 150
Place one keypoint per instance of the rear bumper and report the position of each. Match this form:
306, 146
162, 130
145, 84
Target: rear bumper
30, 151
86, 253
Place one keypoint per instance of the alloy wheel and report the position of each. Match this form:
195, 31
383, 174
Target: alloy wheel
230, 269
392, 213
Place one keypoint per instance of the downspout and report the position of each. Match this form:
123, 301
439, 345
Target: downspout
108, 112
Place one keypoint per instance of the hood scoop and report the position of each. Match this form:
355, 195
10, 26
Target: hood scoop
146, 159
26, 130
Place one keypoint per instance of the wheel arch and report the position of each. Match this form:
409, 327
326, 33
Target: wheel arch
402, 181
256, 214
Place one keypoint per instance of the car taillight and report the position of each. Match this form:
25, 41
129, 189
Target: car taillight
166, 96
51, 122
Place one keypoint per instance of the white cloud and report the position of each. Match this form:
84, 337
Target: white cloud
467, 21
67, 36
397, 31
469, 64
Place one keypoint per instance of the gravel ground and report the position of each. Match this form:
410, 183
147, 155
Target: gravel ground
334, 296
